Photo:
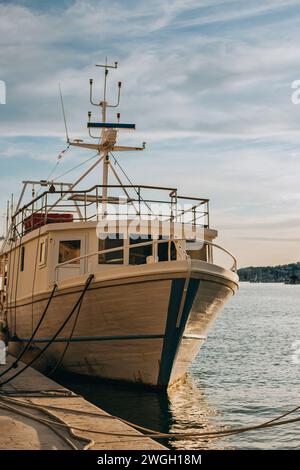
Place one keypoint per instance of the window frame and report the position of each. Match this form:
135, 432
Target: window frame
22, 259
68, 262
43, 252
120, 237
142, 238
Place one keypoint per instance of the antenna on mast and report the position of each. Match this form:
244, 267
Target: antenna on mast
106, 67
104, 104
107, 136
64, 114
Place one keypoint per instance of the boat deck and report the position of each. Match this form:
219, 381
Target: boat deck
36, 413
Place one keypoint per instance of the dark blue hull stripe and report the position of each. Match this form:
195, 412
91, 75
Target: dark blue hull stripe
173, 334
78, 339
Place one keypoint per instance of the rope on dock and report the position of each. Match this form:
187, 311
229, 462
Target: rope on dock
194, 435
52, 425
49, 393
29, 404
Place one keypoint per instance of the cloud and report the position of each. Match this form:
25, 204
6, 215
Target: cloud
211, 80
208, 84
245, 10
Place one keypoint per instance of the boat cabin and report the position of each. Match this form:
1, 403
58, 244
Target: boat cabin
55, 242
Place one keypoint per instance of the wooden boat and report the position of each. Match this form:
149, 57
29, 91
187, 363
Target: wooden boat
156, 289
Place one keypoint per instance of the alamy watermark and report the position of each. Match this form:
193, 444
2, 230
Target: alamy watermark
151, 220
2, 92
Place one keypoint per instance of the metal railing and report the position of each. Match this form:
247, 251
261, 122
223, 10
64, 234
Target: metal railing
221, 248
122, 249
143, 201
180, 254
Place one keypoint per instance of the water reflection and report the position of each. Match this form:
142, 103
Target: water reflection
183, 408
190, 413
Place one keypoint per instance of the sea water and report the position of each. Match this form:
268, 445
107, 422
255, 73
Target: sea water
247, 372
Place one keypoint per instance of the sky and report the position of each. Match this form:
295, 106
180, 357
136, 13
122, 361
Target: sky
208, 84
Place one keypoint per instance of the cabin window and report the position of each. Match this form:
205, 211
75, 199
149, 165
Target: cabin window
139, 254
22, 260
111, 241
68, 250
42, 258
163, 250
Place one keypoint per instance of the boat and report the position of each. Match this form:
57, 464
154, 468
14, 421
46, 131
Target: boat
293, 280
113, 280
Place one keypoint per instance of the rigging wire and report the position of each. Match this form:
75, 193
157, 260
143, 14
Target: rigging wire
68, 171
63, 112
130, 182
53, 170
77, 166
59, 157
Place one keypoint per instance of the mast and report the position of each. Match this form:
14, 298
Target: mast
104, 106
107, 137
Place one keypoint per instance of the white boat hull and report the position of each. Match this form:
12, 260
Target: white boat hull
143, 325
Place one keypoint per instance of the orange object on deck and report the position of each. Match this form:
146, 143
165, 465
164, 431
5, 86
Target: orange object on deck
39, 219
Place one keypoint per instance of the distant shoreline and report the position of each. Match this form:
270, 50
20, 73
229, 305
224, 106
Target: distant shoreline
270, 282
287, 274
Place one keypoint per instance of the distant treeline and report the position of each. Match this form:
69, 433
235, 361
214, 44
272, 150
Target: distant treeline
289, 273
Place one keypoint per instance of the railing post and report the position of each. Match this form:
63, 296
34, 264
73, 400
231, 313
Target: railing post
97, 203
194, 215
207, 209
173, 196
46, 204
155, 250
211, 258
172, 202
22, 222
139, 195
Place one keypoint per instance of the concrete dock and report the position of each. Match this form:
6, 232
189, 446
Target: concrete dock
36, 413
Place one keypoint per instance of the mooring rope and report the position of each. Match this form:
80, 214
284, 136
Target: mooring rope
52, 424
68, 341
87, 284
34, 272
17, 282
29, 404
14, 365
193, 435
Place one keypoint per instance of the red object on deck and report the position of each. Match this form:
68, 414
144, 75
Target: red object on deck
38, 220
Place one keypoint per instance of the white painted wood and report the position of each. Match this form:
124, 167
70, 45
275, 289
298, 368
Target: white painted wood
129, 305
